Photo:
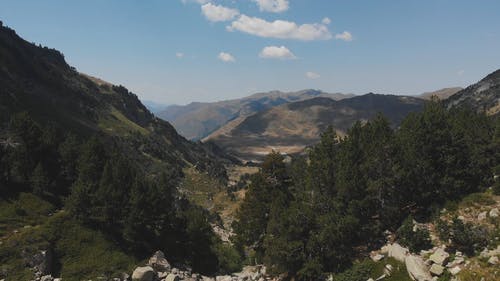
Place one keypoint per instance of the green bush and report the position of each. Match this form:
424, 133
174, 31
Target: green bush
468, 238
415, 240
359, 271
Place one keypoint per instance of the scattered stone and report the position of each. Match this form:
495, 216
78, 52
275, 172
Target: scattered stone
455, 262
398, 252
458, 254
436, 269
416, 268
47, 278
381, 277
144, 273
223, 278
494, 213
455, 270
158, 262
461, 218
482, 216
172, 277
439, 256
493, 260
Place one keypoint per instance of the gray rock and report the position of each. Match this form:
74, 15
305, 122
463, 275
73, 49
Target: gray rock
158, 262
377, 257
482, 216
494, 213
172, 277
455, 270
223, 278
416, 268
436, 269
493, 260
47, 278
439, 256
398, 252
144, 273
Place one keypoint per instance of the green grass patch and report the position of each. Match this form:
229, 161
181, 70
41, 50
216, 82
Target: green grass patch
80, 253
117, 124
482, 199
369, 269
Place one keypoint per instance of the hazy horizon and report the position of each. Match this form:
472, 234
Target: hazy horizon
181, 51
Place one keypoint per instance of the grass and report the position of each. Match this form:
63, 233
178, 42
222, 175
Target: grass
80, 253
210, 194
369, 269
481, 199
116, 123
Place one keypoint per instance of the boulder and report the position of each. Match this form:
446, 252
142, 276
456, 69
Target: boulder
494, 213
377, 257
47, 278
436, 269
144, 273
223, 278
439, 256
455, 270
416, 268
172, 277
398, 252
482, 216
388, 269
493, 260
158, 262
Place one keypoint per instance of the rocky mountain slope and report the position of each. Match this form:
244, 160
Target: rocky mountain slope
291, 127
197, 120
482, 96
441, 94
38, 80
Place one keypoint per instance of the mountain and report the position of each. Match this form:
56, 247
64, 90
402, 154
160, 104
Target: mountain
197, 120
484, 96
441, 94
153, 106
291, 127
38, 80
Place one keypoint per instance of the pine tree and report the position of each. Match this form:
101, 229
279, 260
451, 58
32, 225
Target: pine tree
39, 180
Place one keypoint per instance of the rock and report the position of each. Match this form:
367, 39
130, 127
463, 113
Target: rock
172, 277
144, 273
494, 213
377, 257
381, 277
398, 252
162, 275
47, 278
458, 254
370, 279
462, 218
388, 269
493, 260
455, 262
455, 270
158, 262
439, 256
417, 269
223, 278
205, 278
482, 216
436, 269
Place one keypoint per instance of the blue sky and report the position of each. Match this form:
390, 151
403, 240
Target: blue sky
178, 51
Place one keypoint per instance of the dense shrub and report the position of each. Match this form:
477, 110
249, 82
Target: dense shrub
416, 239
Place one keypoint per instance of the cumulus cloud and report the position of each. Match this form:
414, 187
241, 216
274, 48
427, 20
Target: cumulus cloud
226, 57
275, 52
326, 21
216, 13
346, 36
179, 55
280, 29
273, 6
312, 75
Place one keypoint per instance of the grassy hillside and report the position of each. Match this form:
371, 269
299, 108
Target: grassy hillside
290, 128
198, 120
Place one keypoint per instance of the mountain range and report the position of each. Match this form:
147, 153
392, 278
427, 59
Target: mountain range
197, 120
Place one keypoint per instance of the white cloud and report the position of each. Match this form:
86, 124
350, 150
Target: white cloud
179, 55
274, 6
280, 29
275, 52
326, 21
346, 36
226, 57
460, 72
312, 75
218, 13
